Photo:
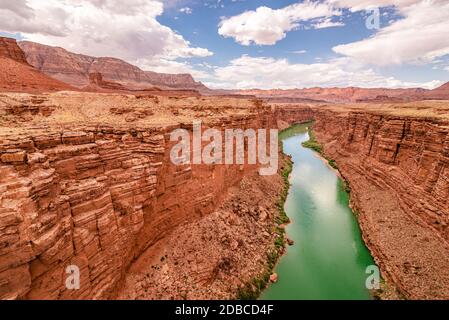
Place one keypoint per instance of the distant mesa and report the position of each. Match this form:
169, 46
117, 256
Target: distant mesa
349, 95
75, 69
28, 66
96, 83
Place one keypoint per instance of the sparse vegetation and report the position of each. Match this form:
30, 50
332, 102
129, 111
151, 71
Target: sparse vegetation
313, 145
333, 164
317, 147
346, 186
283, 218
253, 289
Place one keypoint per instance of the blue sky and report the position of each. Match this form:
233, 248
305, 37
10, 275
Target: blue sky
200, 27
250, 43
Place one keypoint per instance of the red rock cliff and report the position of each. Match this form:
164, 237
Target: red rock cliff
9, 49
398, 170
17, 75
75, 69
98, 195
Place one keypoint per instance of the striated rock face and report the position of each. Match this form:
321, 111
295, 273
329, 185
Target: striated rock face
17, 75
216, 254
97, 83
98, 195
338, 95
75, 68
10, 50
86, 180
398, 170
288, 114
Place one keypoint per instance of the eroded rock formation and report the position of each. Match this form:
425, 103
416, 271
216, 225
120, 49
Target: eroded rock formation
349, 95
17, 75
398, 170
10, 50
74, 69
98, 192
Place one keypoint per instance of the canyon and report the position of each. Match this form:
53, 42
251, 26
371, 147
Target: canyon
86, 180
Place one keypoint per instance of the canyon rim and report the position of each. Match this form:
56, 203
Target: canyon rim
138, 165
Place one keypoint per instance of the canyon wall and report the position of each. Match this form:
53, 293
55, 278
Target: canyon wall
97, 196
398, 171
9, 49
288, 114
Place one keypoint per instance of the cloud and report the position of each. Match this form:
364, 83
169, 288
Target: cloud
249, 72
266, 26
186, 10
124, 29
327, 23
419, 37
174, 67
20, 16
358, 5
17, 7
299, 51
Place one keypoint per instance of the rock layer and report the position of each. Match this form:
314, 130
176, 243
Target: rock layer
98, 195
17, 75
9, 49
74, 69
349, 95
86, 180
398, 171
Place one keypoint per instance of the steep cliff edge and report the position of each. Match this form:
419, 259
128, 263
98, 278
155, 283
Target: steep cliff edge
397, 167
337, 95
18, 76
9, 49
86, 181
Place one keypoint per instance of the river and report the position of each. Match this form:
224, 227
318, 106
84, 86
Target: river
329, 258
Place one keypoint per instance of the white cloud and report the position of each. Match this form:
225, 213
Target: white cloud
267, 73
266, 26
186, 10
20, 16
358, 5
327, 23
17, 7
124, 29
421, 36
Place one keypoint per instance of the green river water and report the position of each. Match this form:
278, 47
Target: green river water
329, 257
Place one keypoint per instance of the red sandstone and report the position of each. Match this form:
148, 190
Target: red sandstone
85, 179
